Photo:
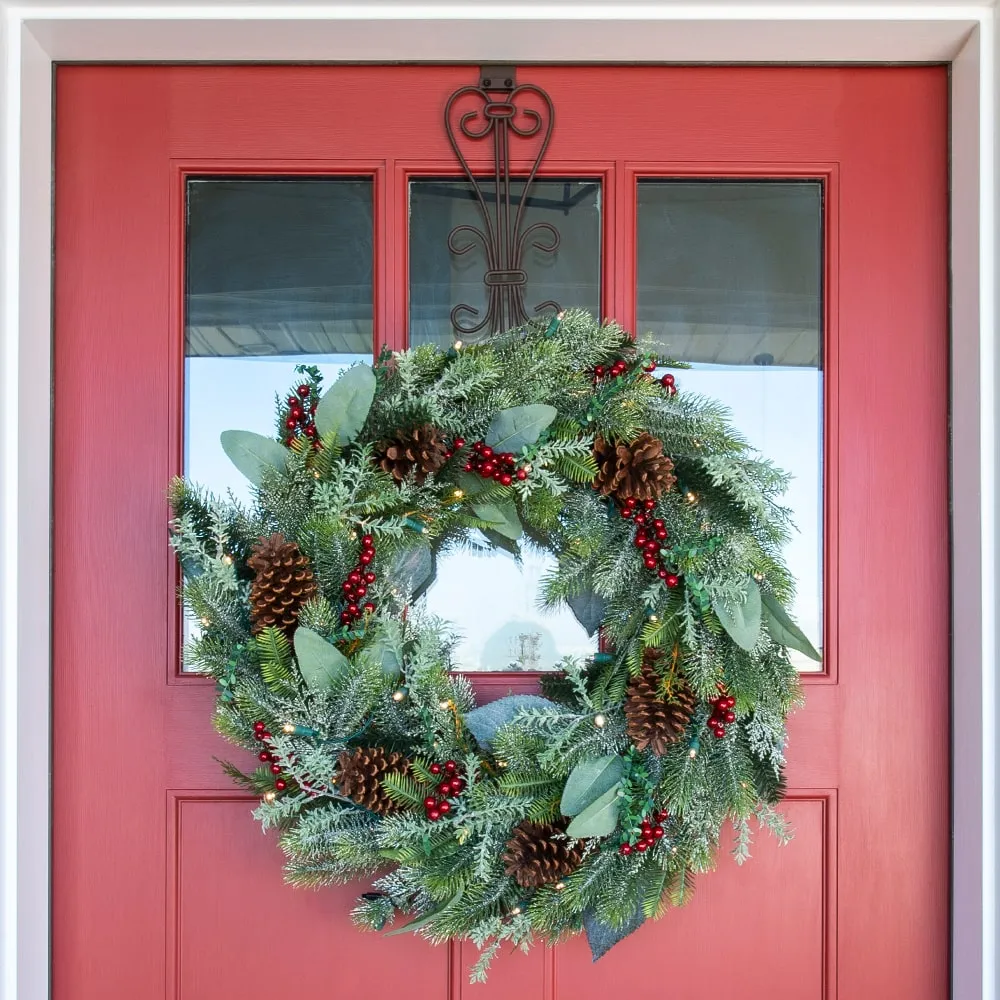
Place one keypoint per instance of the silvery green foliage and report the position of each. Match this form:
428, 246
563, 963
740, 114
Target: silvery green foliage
385, 681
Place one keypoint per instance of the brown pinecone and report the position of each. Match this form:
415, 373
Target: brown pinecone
283, 582
639, 469
360, 775
421, 450
652, 720
533, 857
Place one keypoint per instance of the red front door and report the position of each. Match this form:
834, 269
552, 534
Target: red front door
162, 881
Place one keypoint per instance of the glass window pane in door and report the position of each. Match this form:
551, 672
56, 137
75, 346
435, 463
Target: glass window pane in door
730, 280
488, 597
441, 280
279, 273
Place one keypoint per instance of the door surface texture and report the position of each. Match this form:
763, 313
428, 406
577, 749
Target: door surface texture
163, 885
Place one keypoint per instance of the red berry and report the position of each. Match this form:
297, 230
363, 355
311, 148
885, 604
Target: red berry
487, 469
672, 580
367, 542
303, 391
444, 807
266, 735
626, 512
360, 590
506, 480
645, 826
352, 609
430, 802
649, 562
369, 608
662, 815
344, 617
290, 423
450, 766
275, 769
661, 533
730, 716
599, 371
640, 518
649, 504
662, 574
458, 785
631, 502
444, 788
433, 814
640, 541
651, 367
730, 702
459, 442
293, 401
310, 431
486, 451
435, 769
658, 832
641, 846
369, 577
659, 523
625, 849
468, 467
280, 785
668, 379
264, 756
522, 474
652, 546
259, 727
477, 447
288, 441
720, 731
366, 557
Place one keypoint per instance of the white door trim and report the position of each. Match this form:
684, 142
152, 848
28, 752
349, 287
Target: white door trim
35, 36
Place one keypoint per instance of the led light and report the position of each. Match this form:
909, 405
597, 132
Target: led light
206, 622
269, 797
516, 911
458, 494
444, 705
288, 728
457, 345
692, 753
398, 695
599, 721
227, 559
691, 496
559, 886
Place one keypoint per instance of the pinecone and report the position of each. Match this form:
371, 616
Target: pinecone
639, 469
360, 777
652, 720
533, 857
421, 450
283, 582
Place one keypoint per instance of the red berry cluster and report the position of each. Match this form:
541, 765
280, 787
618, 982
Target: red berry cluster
722, 711
355, 587
456, 444
649, 537
300, 420
499, 465
614, 370
267, 754
650, 831
451, 786
668, 383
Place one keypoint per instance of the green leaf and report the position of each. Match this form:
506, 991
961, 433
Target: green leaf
589, 780
741, 619
511, 430
320, 663
599, 818
589, 609
253, 453
783, 630
387, 654
603, 937
501, 517
344, 407
483, 722
413, 567
502, 542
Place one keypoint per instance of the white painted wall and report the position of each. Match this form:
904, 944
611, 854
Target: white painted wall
34, 34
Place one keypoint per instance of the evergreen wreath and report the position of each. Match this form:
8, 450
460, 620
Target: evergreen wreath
589, 807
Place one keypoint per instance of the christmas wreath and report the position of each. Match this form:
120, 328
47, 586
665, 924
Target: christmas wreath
588, 807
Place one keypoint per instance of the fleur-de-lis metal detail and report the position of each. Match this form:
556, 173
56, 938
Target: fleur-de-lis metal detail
500, 111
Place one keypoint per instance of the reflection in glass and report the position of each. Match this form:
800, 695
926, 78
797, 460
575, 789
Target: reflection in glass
729, 279
440, 280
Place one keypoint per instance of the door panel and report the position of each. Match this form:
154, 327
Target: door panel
161, 879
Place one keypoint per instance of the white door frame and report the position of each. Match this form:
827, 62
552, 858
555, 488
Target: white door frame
35, 36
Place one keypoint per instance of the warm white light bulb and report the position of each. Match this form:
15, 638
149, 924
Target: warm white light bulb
599, 721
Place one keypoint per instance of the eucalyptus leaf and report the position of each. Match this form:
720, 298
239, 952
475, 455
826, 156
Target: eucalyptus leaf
484, 722
412, 567
599, 818
589, 780
344, 407
603, 937
253, 453
511, 430
501, 517
589, 609
741, 619
320, 663
782, 629
387, 654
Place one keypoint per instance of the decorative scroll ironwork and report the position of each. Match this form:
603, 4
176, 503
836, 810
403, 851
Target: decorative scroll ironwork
500, 113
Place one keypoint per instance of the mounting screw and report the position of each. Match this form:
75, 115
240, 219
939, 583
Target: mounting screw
508, 83
487, 82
